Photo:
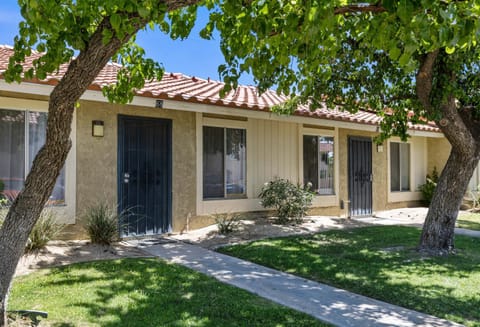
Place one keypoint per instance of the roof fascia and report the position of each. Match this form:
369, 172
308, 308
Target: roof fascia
90, 95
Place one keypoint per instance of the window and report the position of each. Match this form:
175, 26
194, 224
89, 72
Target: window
318, 164
224, 162
399, 167
22, 134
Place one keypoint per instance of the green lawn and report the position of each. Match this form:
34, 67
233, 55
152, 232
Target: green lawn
381, 262
469, 221
144, 292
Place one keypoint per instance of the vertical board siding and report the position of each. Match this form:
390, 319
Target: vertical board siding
418, 166
275, 151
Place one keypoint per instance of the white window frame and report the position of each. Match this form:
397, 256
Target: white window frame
65, 212
415, 161
234, 204
321, 200
400, 169
225, 169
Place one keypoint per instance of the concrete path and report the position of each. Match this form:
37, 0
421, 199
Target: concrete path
467, 232
409, 217
332, 305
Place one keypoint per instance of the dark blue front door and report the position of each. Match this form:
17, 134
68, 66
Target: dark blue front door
144, 175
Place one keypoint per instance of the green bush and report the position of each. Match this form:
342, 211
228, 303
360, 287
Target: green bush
45, 230
4, 204
428, 188
289, 200
102, 224
227, 222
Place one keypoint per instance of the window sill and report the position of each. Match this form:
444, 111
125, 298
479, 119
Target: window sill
240, 197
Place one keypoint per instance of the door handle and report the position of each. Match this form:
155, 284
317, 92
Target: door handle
126, 178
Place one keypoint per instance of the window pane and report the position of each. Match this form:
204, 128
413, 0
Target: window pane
325, 165
37, 127
405, 166
394, 167
12, 151
213, 165
310, 161
235, 161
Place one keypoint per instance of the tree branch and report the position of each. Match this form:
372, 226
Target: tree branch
424, 79
359, 8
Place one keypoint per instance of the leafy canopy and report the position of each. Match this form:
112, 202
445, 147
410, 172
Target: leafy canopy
61, 28
352, 54
357, 55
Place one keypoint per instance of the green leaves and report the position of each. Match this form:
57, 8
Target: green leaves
58, 28
358, 60
136, 71
115, 21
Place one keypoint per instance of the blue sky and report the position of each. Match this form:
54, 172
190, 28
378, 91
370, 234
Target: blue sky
193, 56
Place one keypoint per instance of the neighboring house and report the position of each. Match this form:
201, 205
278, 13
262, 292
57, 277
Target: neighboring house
179, 153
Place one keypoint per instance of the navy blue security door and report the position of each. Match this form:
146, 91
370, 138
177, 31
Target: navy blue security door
144, 175
360, 176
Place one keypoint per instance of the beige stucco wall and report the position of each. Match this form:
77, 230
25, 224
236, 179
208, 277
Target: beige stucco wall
97, 157
379, 169
274, 149
97, 163
438, 152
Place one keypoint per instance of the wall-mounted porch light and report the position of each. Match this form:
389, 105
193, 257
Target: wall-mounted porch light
380, 147
97, 128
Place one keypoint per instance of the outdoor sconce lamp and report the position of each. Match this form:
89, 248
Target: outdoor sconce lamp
97, 128
380, 147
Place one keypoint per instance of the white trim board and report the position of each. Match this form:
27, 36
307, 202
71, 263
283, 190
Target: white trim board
89, 95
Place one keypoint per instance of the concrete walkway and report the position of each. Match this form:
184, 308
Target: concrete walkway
409, 217
331, 305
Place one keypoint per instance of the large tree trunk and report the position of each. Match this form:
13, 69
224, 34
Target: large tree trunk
462, 131
439, 226
26, 208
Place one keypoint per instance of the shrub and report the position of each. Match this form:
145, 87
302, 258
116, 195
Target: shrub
428, 188
227, 222
44, 231
289, 200
4, 204
102, 224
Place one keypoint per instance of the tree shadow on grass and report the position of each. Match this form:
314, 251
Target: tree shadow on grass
381, 262
148, 292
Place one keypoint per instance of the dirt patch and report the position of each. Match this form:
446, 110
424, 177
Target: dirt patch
60, 253
261, 228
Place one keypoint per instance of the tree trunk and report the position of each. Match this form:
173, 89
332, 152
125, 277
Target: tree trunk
461, 130
26, 208
439, 226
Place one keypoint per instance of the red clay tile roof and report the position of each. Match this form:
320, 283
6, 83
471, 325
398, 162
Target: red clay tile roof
175, 86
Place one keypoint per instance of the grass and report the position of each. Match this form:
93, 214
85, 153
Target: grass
144, 292
469, 221
381, 262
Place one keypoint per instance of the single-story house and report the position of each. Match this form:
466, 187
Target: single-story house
179, 152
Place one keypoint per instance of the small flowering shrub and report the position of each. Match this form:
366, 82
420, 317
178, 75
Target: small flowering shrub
291, 201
